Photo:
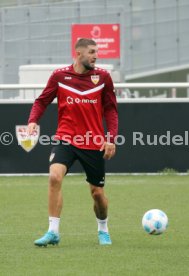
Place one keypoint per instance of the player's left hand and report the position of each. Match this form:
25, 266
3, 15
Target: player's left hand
109, 150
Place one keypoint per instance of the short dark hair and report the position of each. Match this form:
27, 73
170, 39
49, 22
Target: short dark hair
84, 42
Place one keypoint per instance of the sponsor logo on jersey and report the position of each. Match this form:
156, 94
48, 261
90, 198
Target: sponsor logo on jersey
67, 78
95, 78
71, 100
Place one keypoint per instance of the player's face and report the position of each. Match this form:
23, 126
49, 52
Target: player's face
88, 57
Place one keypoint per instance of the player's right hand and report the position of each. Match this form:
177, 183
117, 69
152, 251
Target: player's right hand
31, 128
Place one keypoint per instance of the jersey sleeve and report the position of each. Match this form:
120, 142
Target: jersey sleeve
110, 108
46, 97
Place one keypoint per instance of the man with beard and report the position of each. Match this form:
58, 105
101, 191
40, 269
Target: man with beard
85, 95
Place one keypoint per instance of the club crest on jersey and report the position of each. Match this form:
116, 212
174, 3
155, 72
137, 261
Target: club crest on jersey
95, 78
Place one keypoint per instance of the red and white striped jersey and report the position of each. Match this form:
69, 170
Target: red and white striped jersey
83, 101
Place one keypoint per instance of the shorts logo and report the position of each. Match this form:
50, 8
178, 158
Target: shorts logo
95, 78
51, 157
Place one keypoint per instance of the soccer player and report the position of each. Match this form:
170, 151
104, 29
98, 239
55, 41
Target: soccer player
85, 96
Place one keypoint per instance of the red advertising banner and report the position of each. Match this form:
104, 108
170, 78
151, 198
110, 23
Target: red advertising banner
107, 37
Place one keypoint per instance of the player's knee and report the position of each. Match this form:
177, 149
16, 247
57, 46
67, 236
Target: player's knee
97, 194
55, 178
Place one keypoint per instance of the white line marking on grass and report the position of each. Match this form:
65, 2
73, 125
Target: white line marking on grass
107, 174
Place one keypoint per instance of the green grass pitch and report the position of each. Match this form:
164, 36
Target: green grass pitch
23, 218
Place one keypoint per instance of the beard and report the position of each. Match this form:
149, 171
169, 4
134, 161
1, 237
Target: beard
88, 66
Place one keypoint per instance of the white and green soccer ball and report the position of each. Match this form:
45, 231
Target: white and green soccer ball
155, 222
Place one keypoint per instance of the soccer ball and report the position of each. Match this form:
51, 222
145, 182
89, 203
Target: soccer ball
155, 222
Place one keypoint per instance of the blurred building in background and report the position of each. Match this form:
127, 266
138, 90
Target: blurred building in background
154, 33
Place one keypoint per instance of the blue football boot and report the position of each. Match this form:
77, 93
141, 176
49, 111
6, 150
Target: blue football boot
49, 238
104, 238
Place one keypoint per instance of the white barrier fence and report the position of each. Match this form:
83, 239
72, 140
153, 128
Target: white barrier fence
143, 92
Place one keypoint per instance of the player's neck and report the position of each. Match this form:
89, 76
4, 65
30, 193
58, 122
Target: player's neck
80, 69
